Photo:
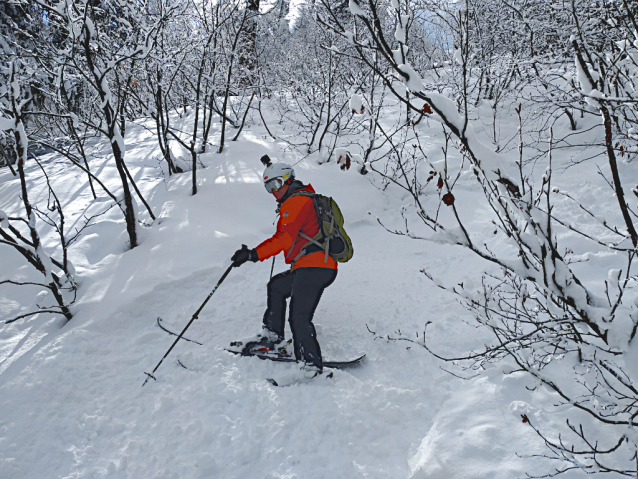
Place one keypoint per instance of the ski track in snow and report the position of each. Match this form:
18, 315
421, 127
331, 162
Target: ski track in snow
71, 401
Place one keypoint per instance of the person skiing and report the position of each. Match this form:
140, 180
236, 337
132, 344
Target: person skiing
311, 271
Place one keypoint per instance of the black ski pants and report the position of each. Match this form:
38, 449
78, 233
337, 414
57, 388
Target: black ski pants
304, 287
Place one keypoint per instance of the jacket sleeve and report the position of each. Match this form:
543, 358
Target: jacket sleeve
292, 216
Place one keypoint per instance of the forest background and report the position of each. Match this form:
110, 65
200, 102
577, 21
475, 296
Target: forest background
528, 99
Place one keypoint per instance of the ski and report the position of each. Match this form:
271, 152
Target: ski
327, 364
173, 334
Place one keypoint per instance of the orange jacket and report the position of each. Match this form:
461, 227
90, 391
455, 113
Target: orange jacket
296, 214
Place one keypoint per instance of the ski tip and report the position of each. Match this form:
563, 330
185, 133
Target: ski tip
344, 364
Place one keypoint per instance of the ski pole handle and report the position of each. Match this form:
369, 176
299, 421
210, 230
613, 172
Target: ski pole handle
221, 280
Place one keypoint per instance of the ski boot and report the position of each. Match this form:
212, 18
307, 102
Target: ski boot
266, 342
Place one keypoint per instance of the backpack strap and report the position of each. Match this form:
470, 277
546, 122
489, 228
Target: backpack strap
330, 235
311, 240
326, 238
303, 250
311, 195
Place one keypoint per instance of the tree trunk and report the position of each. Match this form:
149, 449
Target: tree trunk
21, 152
228, 77
129, 211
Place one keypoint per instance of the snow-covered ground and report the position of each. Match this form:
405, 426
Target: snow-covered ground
71, 401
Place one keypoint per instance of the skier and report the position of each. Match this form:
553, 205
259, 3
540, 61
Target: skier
311, 271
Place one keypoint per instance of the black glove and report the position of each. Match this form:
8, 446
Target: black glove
244, 254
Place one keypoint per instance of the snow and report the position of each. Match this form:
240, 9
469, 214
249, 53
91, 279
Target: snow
624, 44
4, 220
355, 9
75, 120
414, 82
458, 56
356, 103
585, 85
452, 447
400, 33
71, 401
396, 54
143, 49
60, 7
89, 26
117, 138
45, 259
7, 124
493, 164
24, 140
349, 35
32, 220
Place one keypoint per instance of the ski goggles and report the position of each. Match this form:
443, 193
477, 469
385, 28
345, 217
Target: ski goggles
273, 184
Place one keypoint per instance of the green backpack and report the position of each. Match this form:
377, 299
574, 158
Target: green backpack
332, 237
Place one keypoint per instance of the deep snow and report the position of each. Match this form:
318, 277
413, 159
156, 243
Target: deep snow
71, 401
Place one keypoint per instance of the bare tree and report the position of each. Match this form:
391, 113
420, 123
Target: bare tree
30, 248
94, 61
544, 319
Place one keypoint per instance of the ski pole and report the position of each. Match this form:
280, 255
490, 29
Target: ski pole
150, 375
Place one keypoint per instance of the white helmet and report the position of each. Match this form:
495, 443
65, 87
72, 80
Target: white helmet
276, 174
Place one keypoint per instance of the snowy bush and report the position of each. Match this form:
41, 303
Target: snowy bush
559, 321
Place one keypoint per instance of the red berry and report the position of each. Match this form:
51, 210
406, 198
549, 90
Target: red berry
448, 199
